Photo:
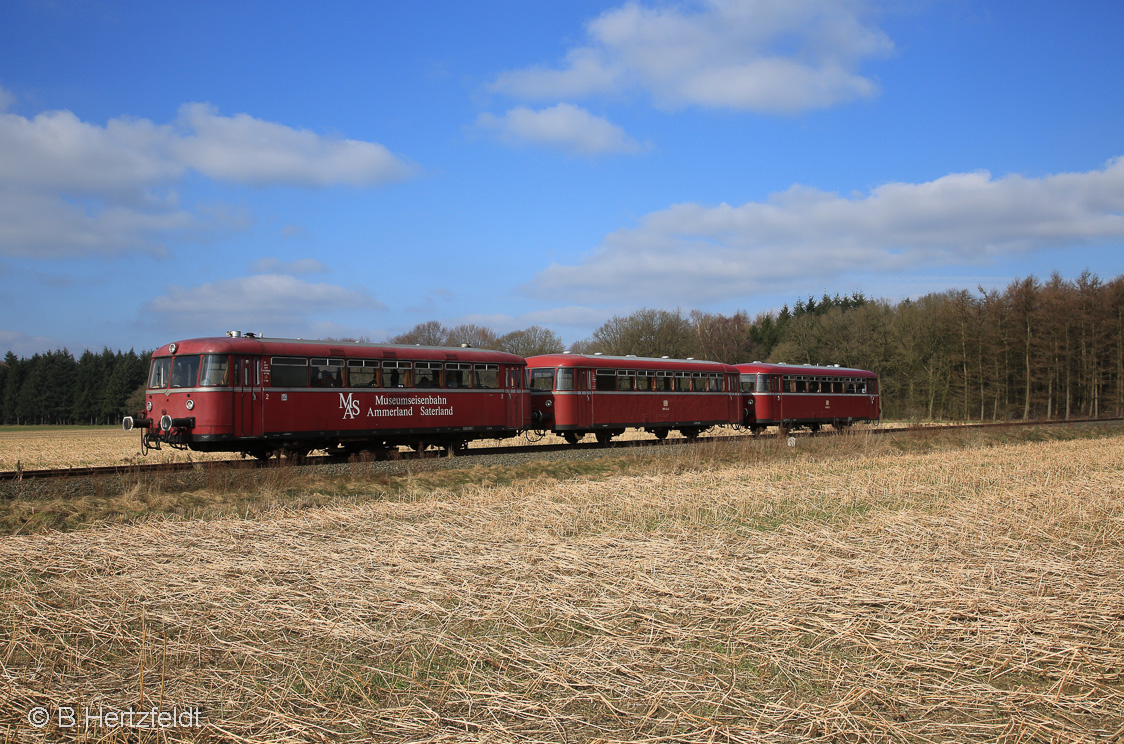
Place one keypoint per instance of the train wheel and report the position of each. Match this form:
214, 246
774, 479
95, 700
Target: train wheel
419, 446
572, 437
690, 432
814, 428
604, 437
660, 433
456, 447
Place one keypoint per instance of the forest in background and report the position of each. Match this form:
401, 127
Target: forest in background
1035, 350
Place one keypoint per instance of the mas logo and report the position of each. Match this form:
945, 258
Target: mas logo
349, 405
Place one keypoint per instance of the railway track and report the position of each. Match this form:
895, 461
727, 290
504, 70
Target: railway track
172, 467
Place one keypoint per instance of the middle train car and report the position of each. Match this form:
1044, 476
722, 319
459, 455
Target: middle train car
578, 394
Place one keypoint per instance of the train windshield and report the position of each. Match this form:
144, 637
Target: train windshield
214, 371
161, 371
542, 379
565, 379
185, 371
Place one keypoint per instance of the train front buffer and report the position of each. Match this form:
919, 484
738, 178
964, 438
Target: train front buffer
173, 431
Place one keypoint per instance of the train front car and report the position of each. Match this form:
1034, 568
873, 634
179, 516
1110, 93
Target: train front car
578, 394
793, 396
266, 397
190, 399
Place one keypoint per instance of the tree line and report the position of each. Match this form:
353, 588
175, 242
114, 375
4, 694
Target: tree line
1051, 349
56, 388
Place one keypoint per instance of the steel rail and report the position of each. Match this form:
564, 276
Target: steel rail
172, 467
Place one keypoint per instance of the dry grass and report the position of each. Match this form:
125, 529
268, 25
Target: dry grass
36, 448
86, 446
974, 595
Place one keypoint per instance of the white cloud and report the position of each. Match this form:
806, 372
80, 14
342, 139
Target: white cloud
267, 301
565, 126
6, 99
759, 55
246, 150
71, 187
692, 253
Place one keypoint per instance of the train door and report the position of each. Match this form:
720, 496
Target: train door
777, 393
515, 397
583, 392
247, 396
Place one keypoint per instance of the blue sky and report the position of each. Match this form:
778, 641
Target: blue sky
170, 170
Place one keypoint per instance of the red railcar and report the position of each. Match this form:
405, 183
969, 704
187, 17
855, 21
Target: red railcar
806, 396
243, 393
576, 394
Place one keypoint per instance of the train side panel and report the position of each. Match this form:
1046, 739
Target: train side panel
261, 396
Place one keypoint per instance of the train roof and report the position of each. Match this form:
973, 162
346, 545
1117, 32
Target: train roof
254, 344
625, 362
828, 370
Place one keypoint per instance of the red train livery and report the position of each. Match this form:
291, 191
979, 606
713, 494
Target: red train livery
266, 397
263, 397
576, 394
805, 396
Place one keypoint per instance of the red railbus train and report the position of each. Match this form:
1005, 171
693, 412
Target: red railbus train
264, 397
578, 394
287, 397
793, 396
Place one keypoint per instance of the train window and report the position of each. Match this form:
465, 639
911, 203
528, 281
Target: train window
427, 374
326, 372
289, 372
664, 381
161, 371
565, 379
645, 380
626, 379
683, 381
606, 379
542, 379
362, 373
215, 371
486, 376
714, 383
397, 374
457, 374
185, 371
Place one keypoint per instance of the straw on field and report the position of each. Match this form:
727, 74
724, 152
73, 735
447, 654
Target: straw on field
977, 596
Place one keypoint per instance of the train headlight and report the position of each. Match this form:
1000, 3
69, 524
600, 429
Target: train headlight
549, 403
190, 404
148, 406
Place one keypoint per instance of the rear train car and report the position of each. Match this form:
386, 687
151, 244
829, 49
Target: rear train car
265, 397
576, 394
806, 396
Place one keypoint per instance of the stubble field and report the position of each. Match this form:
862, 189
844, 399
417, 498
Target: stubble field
854, 589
